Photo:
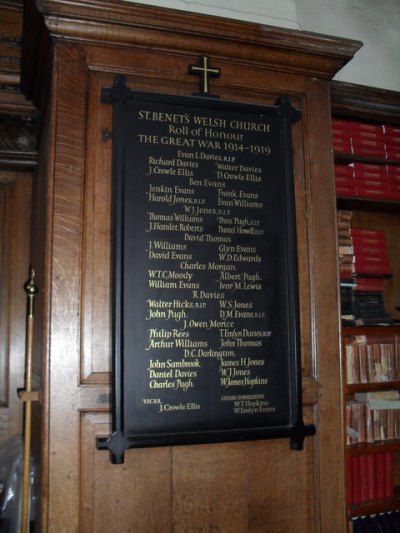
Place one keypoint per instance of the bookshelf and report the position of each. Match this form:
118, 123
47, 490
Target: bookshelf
367, 177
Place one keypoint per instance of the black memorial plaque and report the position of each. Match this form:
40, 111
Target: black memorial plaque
205, 311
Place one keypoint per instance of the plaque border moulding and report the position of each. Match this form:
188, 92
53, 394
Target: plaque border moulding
119, 95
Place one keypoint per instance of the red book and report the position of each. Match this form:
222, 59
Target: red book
369, 169
367, 142
381, 177
374, 153
373, 192
394, 196
363, 232
369, 250
380, 258
375, 187
379, 182
392, 154
344, 181
354, 126
342, 143
365, 237
393, 170
340, 132
394, 185
342, 146
389, 474
344, 170
364, 478
356, 481
362, 126
343, 125
366, 135
380, 475
391, 130
371, 476
392, 140
349, 480
345, 191
375, 242
376, 270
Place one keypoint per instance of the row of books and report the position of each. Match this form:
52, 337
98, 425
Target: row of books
360, 180
372, 359
366, 140
363, 267
345, 242
363, 308
378, 523
370, 476
366, 425
366, 251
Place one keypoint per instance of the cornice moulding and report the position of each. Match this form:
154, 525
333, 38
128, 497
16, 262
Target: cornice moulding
127, 24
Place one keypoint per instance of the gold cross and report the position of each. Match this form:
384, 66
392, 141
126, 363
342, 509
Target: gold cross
205, 72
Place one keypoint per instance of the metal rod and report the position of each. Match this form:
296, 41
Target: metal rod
31, 291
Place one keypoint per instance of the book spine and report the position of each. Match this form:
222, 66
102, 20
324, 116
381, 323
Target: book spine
356, 481
371, 466
380, 475
389, 474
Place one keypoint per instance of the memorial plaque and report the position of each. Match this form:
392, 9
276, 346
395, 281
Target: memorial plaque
205, 298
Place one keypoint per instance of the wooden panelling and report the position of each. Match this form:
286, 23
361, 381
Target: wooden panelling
228, 488
132, 497
217, 487
224, 488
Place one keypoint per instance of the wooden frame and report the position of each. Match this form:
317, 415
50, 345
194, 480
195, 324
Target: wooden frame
143, 134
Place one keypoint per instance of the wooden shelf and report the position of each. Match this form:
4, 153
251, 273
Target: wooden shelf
380, 505
350, 331
368, 204
346, 159
352, 388
382, 446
